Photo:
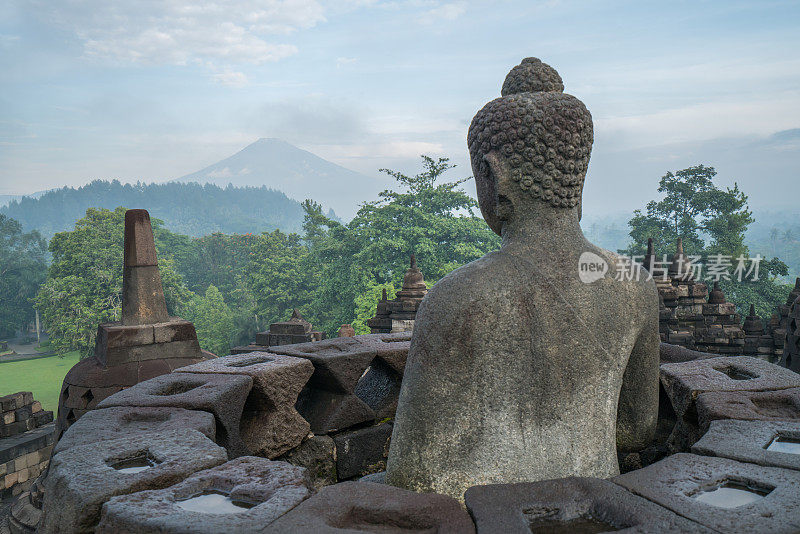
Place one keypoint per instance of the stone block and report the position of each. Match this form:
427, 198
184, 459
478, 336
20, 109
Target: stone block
367, 507
222, 395
11, 402
175, 330
16, 446
362, 452
328, 403
391, 348
338, 363
379, 389
8, 418
82, 478
683, 382
270, 424
747, 441
244, 349
255, 492
117, 335
783, 405
568, 505
22, 516
23, 413
682, 483
186, 349
327, 411
113, 423
317, 455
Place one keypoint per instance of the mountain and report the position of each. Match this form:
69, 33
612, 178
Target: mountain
5, 200
298, 173
185, 208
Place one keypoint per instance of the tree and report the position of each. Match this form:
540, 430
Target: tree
279, 276
712, 222
434, 220
84, 282
213, 320
23, 268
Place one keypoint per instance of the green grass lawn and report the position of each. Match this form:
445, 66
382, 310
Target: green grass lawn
42, 376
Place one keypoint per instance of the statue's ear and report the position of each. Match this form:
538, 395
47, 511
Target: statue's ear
495, 165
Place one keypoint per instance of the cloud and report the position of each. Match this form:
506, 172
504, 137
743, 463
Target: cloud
310, 119
231, 78
344, 61
178, 32
449, 11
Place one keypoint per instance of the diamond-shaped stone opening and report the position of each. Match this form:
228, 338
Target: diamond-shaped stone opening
550, 521
87, 397
176, 388
785, 444
731, 493
736, 373
136, 463
214, 501
251, 361
71, 417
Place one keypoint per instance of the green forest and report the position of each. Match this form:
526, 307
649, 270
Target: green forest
185, 208
234, 284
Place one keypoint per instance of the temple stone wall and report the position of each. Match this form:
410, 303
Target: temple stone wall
693, 317
26, 441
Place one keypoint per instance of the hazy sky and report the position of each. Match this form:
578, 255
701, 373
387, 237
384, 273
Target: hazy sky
153, 90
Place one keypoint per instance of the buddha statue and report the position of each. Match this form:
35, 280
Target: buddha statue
520, 368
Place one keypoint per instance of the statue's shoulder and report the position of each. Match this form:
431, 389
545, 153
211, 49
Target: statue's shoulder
633, 275
471, 281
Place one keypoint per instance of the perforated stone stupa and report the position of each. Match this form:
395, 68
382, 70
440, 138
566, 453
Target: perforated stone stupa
146, 343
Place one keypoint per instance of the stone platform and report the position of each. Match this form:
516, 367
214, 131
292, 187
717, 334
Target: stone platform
323, 494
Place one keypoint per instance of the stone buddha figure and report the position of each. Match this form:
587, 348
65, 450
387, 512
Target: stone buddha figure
520, 368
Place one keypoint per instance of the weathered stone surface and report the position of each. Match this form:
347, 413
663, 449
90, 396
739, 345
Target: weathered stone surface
328, 402
317, 455
564, 505
23, 518
362, 451
270, 423
783, 405
114, 423
747, 441
223, 395
366, 507
273, 488
683, 382
676, 354
675, 482
142, 295
375, 478
379, 389
579, 374
82, 478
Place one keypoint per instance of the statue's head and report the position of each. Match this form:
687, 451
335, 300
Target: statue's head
530, 148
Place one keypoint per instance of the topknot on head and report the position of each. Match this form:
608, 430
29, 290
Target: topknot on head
532, 76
